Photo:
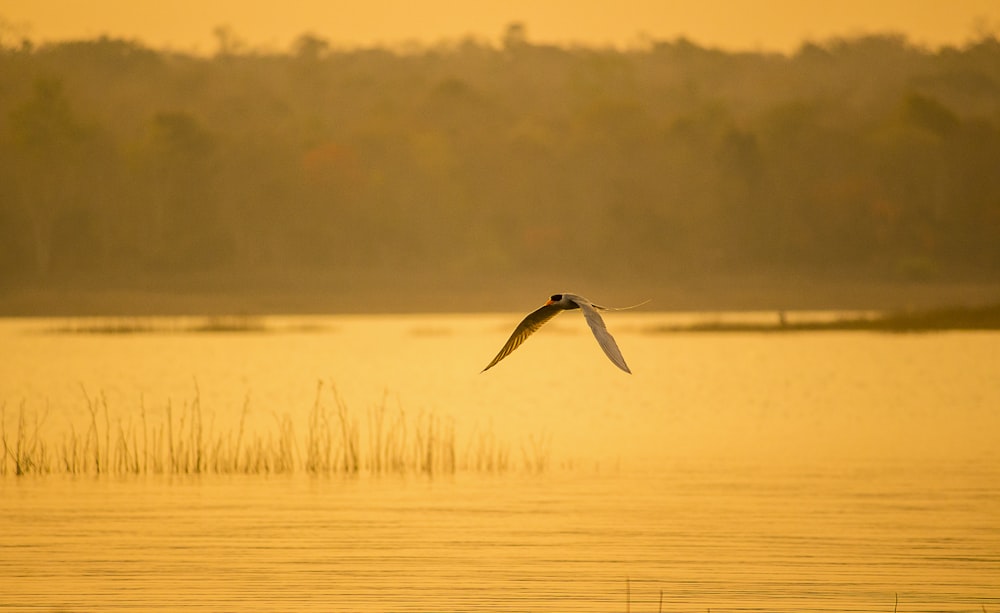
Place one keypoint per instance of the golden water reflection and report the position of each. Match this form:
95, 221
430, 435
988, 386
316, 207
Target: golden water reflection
822, 472
705, 537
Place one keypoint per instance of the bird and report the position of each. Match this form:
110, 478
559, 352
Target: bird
552, 307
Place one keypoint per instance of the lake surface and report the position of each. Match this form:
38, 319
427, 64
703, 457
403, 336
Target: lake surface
732, 472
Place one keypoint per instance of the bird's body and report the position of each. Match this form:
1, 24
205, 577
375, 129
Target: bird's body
555, 304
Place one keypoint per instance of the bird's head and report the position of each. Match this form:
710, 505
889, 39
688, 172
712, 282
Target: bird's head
563, 300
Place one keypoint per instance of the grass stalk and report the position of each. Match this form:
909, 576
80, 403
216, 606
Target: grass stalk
3, 437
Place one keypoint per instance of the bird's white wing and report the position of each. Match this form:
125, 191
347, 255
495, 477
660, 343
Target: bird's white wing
526, 328
604, 338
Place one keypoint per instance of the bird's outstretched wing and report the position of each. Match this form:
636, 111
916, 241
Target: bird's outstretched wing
526, 328
604, 338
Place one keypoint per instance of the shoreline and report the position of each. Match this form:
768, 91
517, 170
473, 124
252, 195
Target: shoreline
404, 295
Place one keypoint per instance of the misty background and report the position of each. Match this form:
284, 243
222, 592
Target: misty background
856, 172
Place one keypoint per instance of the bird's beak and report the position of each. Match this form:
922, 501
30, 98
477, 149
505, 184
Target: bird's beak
548, 302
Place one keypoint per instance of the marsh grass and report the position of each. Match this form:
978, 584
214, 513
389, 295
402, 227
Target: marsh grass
27, 452
490, 455
337, 441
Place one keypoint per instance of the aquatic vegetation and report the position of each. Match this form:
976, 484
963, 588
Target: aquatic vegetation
394, 444
930, 320
27, 452
337, 441
176, 325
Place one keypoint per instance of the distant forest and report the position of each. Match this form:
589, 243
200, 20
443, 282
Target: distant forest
864, 158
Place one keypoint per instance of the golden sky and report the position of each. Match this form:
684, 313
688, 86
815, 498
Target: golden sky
773, 25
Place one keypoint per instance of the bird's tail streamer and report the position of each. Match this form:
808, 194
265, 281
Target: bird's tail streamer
634, 306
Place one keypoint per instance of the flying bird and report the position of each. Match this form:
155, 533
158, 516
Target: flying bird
551, 308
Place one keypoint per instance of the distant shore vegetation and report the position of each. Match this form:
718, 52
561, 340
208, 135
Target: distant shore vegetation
176, 325
911, 321
128, 168
968, 318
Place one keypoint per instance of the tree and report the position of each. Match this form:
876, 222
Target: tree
178, 199
50, 153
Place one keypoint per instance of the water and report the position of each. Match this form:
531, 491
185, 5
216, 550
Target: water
804, 472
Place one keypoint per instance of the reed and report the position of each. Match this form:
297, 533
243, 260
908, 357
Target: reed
536, 453
337, 440
485, 453
334, 443
27, 452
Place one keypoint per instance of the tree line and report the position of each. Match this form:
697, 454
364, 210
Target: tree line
863, 157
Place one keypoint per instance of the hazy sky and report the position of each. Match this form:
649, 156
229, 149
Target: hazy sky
731, 24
